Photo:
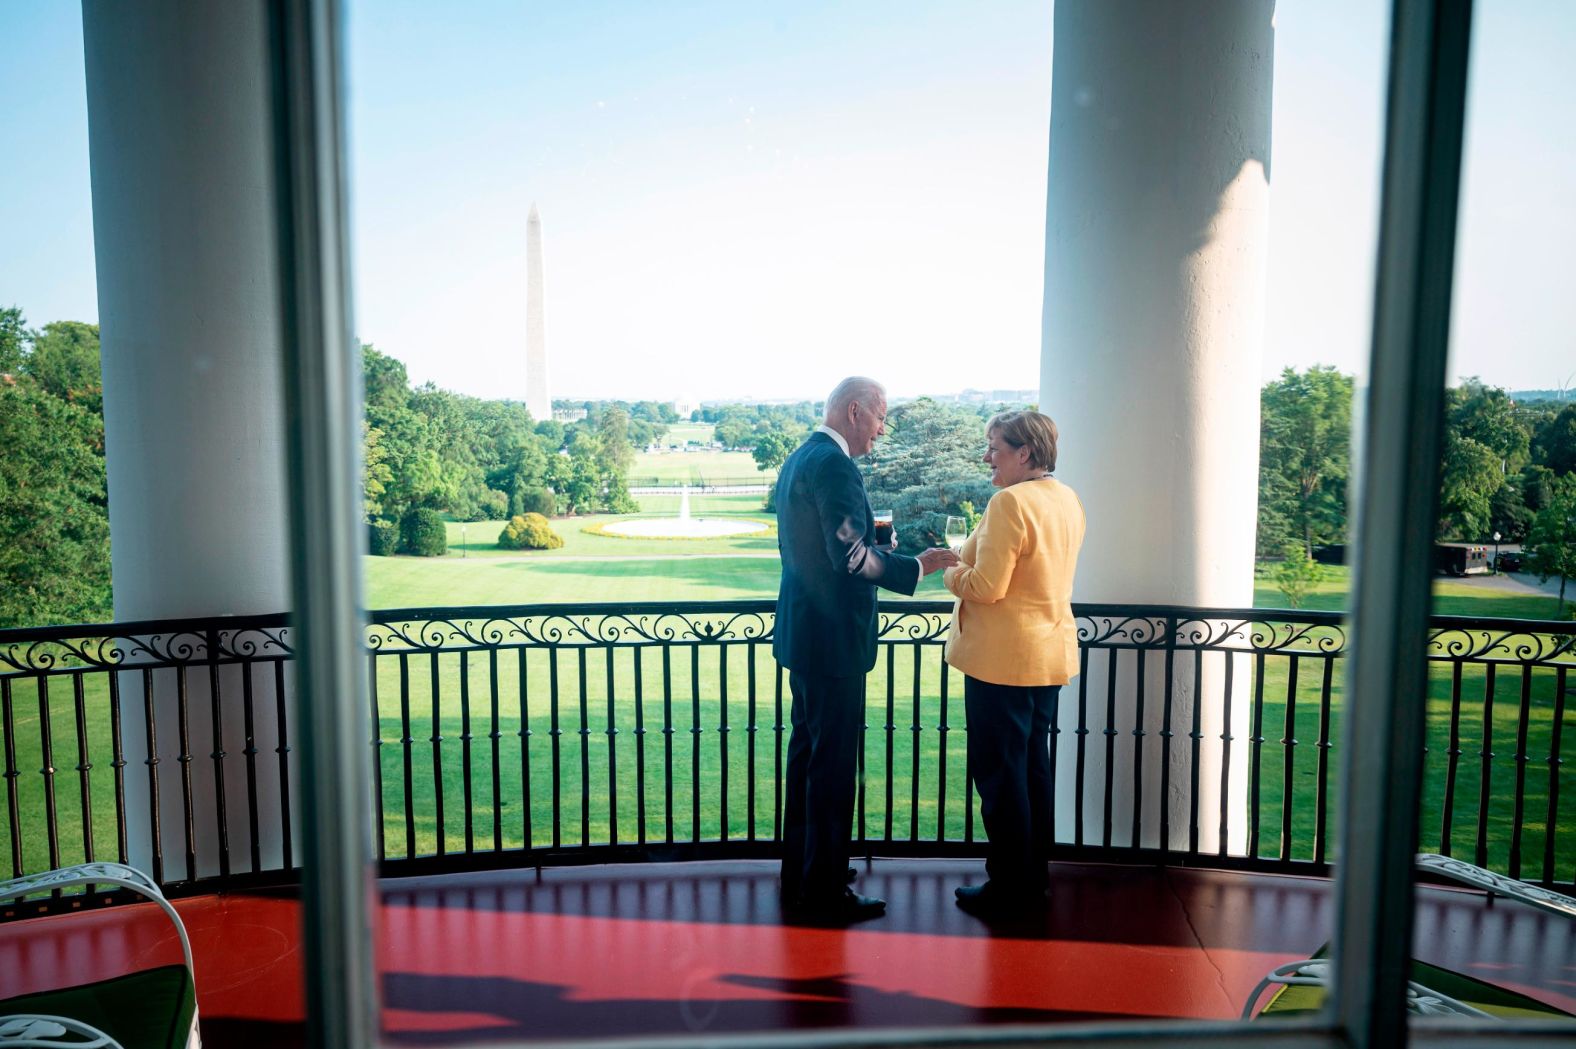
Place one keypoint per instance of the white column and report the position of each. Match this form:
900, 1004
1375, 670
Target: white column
184, 234
1156, 219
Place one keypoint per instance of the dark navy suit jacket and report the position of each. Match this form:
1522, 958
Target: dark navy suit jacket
826, 604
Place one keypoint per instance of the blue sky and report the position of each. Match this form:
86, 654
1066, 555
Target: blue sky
752, 199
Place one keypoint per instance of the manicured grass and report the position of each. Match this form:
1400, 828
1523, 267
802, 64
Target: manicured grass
697, 468
681, 433
1452, 597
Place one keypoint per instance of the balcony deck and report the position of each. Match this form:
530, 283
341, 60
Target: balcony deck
701, 947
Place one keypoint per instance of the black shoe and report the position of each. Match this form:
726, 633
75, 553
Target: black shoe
987, 901
853, 873
844, 909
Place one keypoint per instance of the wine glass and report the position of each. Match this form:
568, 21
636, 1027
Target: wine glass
956, 531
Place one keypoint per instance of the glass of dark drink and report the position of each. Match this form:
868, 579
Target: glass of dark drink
884, 528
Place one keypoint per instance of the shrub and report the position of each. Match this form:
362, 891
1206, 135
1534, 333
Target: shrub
529, 532
538, 500
423, 534
492, 505
382, 538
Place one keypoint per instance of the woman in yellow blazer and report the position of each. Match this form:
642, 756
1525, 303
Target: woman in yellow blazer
1014, 639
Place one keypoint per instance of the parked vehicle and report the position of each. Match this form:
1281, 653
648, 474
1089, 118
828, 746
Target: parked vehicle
1460, 559
1510, 561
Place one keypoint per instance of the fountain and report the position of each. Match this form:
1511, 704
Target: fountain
683, 526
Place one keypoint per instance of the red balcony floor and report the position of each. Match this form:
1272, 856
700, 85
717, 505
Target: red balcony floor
677, 949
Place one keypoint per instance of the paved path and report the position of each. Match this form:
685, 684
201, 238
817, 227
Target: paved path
1516, 583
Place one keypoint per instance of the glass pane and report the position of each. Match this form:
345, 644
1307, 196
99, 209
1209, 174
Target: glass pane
1499, 797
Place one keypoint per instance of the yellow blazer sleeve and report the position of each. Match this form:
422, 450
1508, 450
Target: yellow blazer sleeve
997, 542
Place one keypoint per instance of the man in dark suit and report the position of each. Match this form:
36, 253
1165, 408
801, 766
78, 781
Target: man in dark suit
826, 638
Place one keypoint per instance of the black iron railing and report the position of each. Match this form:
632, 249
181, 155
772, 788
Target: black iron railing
559, 734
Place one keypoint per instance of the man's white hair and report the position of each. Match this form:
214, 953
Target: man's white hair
854, 388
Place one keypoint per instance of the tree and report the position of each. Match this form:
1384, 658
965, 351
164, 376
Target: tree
13, 333
1552, 538
1470, 474
1297, 574
1304, 457
375, 471
1556, 441
64, 360
54, 510
927, 467
773, 449
613, 441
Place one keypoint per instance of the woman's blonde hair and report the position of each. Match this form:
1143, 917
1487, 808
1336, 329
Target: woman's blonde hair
1027, 429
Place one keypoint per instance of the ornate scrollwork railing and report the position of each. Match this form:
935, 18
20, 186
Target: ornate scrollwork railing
660, 729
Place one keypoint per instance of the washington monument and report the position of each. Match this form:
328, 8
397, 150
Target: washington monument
537, 400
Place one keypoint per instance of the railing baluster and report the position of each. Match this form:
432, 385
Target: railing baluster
555, 734
722, 739
249, 752
1110, 733
1080, 772
12, 804
1521, 771
84, 765
1167, 709
1452, 759
751, 650
216, 724
612, 753
495, 735
1225, 754
1138, 747
667, 737
282, 749
1288, 751
1256, 756
942, 729
407, 748
1486, 770
155, 810
117, 763
184, 759
1321, 797
779, 730
1555, 761
695, 732
1196, 734
640, 748
527, 826
585, 747
914, 766
435, 697
467, 769
888, 730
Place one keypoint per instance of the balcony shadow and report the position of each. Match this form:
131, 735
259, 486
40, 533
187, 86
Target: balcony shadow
525, 1009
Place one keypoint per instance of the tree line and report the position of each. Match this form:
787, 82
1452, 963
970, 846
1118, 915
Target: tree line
1506, 467
431, 454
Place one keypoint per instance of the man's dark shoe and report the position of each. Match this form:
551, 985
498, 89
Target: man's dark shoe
844, 909
987, 901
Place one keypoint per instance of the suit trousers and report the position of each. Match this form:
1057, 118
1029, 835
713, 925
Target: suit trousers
1009, 758
818, 804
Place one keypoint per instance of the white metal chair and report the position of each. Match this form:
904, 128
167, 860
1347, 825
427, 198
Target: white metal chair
153, 1009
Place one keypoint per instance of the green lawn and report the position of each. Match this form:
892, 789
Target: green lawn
1452, 597
680, 434
697, 468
